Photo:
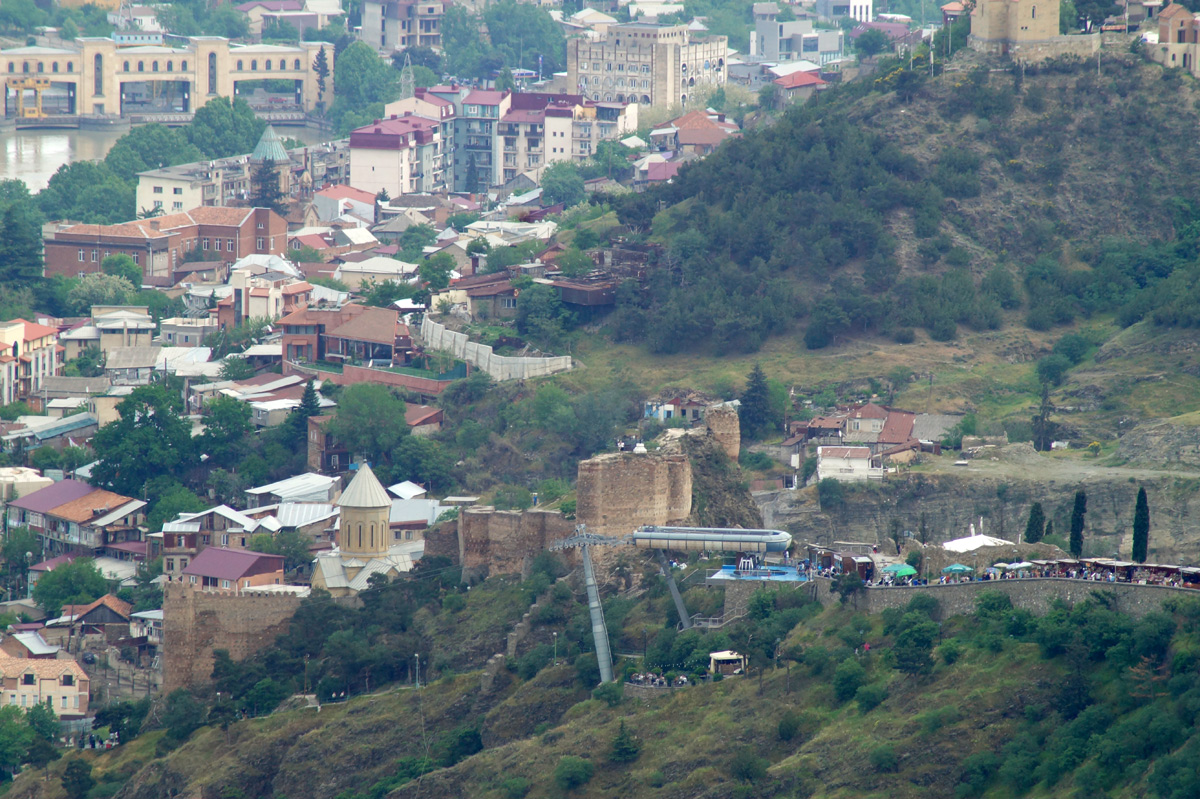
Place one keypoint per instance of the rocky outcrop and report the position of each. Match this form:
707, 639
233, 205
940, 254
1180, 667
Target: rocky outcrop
1160, 445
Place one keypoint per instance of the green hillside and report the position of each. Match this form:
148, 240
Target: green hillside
907, 206
1079, 702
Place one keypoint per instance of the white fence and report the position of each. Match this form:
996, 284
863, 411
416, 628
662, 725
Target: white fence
481, 356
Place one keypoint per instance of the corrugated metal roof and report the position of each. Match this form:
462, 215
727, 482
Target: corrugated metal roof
294, 486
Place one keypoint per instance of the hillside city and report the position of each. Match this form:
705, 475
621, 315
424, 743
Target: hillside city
710, 398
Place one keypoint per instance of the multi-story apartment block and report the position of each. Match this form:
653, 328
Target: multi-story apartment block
225, 180
541, 129
158, 245
72, 517
401, 154
773, 40
29, 353
861, 10
659, 65
390, 25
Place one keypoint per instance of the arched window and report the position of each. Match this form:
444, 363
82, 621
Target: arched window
267, 65
126, 67
620, 98
254, 64
54, 67
683, 68
141, 66
683, 99
646, 99
98, 77
240, 67
360, 536
372, 536
154, 66
12, 67
183, 66
296, 64
70, 66
170, 66
691, 81
1034, 14
41, 67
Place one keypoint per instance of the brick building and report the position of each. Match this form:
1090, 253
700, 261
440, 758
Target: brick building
349, 333
158, 245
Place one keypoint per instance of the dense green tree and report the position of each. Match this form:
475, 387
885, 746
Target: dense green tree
542, 316
170, 498
88, 192
575, 262
624, 748
562, 183
76, 583
20, 246
279, 30
234, 367
521, 32
755, 410
467, 54
362, 83
44, 722
182, 716
505, 82
21, 546
1141, 527
15, 737
871, 43
293, 546
121, 265
1036, 526
573, 772
148, 440
152, 146
1078, 512
99, 288
227, 422
435, 271
419, 57
369, 421
223, 127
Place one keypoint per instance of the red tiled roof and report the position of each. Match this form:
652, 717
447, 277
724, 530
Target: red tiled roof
297, 288
798, 80
898, 427
376, 325
348, 193
869, 411
117, 606
417, 415
35, 331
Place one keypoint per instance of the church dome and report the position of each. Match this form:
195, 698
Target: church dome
269, 149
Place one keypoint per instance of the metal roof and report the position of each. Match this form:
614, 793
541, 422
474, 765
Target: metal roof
365, 491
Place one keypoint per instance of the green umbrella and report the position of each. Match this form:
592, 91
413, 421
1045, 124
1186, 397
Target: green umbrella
891, 567
900, 570
957, 568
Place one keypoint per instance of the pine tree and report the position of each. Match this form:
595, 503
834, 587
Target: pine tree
1141, 527
1036, 527
1077, 518
20, 247
264, 187
625, 748
755, 411
310, 403
321, 67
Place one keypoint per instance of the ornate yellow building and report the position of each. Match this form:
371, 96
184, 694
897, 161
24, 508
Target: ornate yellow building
366, 544
105, 79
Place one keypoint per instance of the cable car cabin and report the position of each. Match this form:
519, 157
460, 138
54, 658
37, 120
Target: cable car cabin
859, 563
726, 662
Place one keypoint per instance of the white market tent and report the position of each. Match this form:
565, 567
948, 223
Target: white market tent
974, 542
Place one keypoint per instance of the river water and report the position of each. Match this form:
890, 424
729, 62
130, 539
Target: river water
34, 155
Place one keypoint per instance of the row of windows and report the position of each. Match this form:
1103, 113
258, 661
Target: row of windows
621, 98
217, 244
175, 206
12, 699
41, 67
633, 84
141, 66
583, 67
96, 255
267, 65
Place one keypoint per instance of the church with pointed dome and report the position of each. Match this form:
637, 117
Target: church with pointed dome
366, 544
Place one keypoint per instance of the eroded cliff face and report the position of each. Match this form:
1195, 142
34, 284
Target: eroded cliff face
948, 504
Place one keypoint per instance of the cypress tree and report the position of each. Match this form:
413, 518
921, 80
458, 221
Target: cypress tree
755, 411
1077, 514
625, 748
1049, 531
1036, 526
1141, 527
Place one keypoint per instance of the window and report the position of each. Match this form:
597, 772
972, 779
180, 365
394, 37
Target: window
158, 203
267, 65
170, 66
27, 679
41, 67
183, 65
254, 64
260, 225
229, 245
177, 206
224, 583
508, 302
177, 190
154, 66
259, 243
81, 258
141, 66
125, 68
296, 64
1034, 12
192, 579
170, 564
70, 66
54, 67
158, 189
239, 66
205, 245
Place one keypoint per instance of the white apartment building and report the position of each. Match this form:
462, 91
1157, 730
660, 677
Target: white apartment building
773, 40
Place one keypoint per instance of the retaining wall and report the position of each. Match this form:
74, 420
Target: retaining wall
501, 367
1034, 594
